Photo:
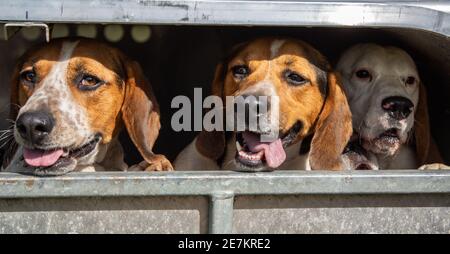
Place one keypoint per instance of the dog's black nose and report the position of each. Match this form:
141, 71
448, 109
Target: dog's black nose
35, 126
398, 107
253, 106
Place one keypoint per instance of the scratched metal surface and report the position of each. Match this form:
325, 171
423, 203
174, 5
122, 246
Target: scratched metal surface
263, 214
164, 215
119, 184
277, 202
306, 214
427, 15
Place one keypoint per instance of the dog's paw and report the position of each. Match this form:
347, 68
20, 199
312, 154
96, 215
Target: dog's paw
434, 166
158, 163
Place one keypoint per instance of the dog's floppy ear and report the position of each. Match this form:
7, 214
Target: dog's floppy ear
333, 128
426, 149
140, 113
212, 143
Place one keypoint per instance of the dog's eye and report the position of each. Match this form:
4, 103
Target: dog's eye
364, 74
294, 78
89, 82
240, 71
28, 77
410, 80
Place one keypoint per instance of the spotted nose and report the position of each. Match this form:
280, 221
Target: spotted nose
35, 126
397, 107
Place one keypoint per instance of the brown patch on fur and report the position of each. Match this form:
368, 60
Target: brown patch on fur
103, 104
333, 130
140, 113
212, 143
426, 149
126, 97
302, 103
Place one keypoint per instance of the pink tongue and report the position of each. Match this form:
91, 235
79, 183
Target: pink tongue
273, 151
41, 158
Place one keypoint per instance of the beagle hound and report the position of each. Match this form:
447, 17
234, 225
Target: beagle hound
310, 104
74, 96
389, 109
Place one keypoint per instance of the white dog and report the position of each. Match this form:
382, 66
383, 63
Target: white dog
389, 109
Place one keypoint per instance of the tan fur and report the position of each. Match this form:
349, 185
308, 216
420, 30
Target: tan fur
426, 148
140, 113
330, 120
212, 143
326, 146
125, 99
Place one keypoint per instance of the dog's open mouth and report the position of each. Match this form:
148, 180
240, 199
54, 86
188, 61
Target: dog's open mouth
56, 159
253, 154
390, 136
387, 142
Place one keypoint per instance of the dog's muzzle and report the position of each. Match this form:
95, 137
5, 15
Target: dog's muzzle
39, 158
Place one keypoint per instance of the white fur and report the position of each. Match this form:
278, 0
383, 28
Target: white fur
275, 47
191, 159
389, 67
72, 128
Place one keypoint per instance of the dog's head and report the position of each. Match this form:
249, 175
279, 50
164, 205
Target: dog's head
291, 81
386, 97
72, 97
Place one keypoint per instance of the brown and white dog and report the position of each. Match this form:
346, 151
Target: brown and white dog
311, 103
389, 109
74, 96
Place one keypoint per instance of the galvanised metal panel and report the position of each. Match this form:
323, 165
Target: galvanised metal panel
130, 215
280, 201
186, 183
427, 15
342, 214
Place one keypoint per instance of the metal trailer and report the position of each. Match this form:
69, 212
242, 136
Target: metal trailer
192, 34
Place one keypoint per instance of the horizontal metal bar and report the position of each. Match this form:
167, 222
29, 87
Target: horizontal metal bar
426, 15
210, 182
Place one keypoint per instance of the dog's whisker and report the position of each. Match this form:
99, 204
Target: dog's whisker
9, 130
10, 150
7, 141
6, 133
10, 121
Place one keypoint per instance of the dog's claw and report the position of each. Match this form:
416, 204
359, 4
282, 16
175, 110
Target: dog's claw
158, 163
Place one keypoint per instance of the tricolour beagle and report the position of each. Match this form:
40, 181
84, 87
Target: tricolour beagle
389, 109
74, 95
311, 104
